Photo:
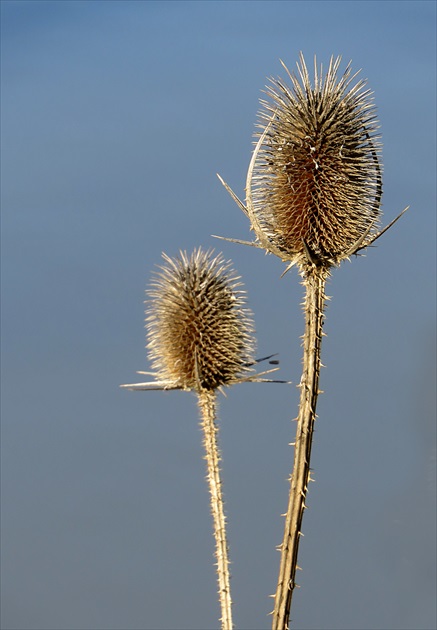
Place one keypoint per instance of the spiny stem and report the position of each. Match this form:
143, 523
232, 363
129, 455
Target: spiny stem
314, 283
207, 406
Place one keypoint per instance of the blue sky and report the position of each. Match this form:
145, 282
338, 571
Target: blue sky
116, 117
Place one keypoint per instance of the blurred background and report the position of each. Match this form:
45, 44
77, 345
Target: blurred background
116, 117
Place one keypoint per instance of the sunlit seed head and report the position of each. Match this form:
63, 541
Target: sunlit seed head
316, 183
199, 330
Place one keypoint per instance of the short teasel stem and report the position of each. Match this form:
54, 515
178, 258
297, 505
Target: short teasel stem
207, 401
314, 282
200, 338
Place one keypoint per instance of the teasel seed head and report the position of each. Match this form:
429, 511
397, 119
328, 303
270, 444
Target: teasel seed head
200, 333
314, 183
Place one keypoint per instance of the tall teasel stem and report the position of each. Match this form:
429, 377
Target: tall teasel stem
314, 283
207, 401
313, 196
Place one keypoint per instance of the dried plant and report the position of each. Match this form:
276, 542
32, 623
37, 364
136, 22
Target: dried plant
313, 195
200, 338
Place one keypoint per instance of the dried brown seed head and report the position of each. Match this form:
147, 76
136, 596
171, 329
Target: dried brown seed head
314, 184
199, 330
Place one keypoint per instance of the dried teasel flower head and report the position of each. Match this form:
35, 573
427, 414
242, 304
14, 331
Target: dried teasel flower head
199, 329
314, 183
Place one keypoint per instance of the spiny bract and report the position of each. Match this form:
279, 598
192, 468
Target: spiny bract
199, 331
315, 190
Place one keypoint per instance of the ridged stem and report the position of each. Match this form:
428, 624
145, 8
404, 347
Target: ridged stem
207, 406
314, 284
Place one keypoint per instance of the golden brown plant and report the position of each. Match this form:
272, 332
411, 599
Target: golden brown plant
200, 337
313, 195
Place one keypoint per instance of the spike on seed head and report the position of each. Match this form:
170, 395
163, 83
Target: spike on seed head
199, 330
314, 185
